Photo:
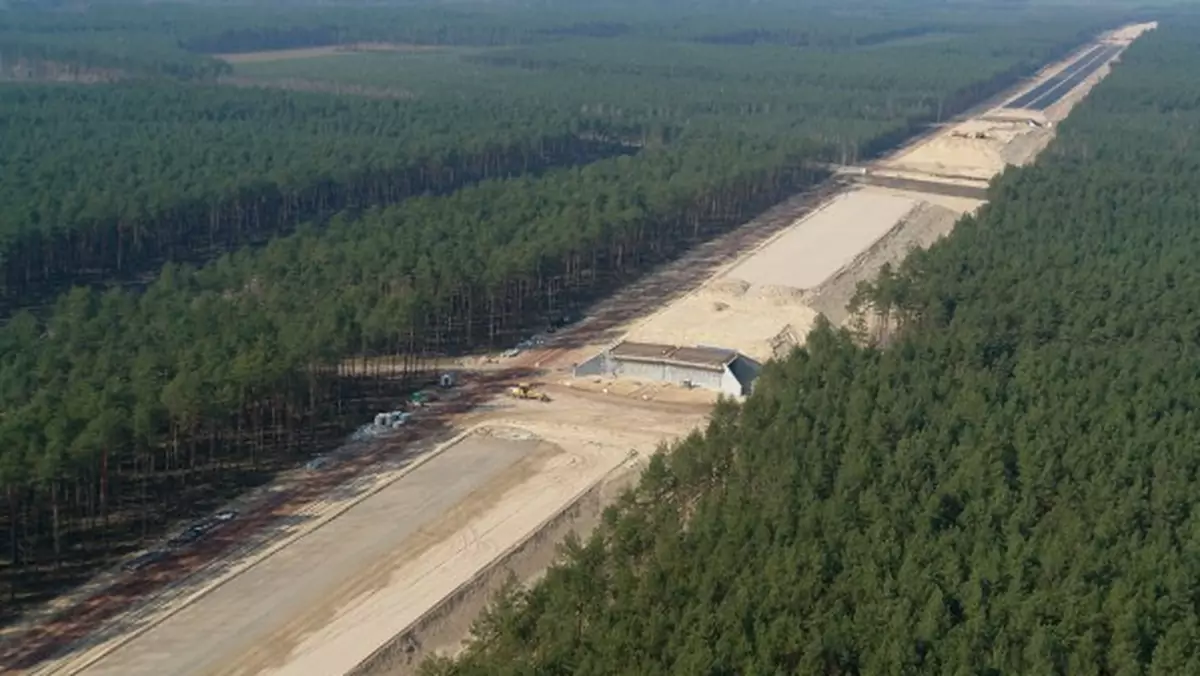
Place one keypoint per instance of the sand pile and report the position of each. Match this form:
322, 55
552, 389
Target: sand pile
783, 342
748, 324
1024, 148
923, 226
780, 295
974, 158
976, 149
727, 287
761, 307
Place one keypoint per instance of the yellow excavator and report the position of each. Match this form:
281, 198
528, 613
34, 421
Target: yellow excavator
526, 391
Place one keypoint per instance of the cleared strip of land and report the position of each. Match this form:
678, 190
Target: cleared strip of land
324, 603
329, 50
825, 241
243, 613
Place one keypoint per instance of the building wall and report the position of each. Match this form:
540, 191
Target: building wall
596, 366
666, 373
745, 370
732, 385
735, 380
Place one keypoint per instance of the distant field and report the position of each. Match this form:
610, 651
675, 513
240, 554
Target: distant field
322, 52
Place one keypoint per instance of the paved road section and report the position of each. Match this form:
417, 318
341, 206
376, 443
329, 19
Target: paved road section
1037, 92
1049, 92
264, 599
1073, 81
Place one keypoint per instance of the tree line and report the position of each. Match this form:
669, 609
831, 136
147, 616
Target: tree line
176, 40
109, 182
1008, 487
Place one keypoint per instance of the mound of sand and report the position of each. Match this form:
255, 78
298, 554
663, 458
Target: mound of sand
961, 153
976, 158
728, 287
747, 324
923, 226
783, 342
781, 295
1025, 147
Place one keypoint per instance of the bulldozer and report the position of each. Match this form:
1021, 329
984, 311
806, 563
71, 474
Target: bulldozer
526, 391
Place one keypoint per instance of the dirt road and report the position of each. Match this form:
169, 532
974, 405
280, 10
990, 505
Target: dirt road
324, 603
238, 618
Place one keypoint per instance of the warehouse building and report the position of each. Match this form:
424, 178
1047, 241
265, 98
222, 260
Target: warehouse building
711, 368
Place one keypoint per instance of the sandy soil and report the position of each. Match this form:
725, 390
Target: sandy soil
444, 629
981, 147
1130, 33
329, 50
281, 54
976, 149
767, 302
756, 324
242, 614
760, 305
925, 225
328, 600
816, 247
341, 633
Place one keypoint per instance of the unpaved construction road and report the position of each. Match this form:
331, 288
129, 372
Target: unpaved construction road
326, 601
239, 619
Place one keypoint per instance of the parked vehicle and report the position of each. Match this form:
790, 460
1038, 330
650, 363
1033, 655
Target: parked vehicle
143, 560
526, 391
317, 464
187, 537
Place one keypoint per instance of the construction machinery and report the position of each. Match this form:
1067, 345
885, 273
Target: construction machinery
526, 391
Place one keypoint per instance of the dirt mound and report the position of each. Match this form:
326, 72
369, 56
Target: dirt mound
728, 287
924, 225
783, 342
782, 295
505, 433
1025, 147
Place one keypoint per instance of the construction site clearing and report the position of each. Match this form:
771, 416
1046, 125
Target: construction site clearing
394, 563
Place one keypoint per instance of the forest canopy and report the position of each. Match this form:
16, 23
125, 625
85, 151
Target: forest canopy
1008, 486
112, 180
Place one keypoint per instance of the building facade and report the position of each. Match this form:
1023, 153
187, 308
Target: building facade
710, 368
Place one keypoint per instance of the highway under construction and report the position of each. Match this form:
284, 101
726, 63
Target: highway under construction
394, 563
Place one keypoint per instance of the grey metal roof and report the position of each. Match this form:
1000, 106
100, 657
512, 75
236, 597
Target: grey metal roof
711, 358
